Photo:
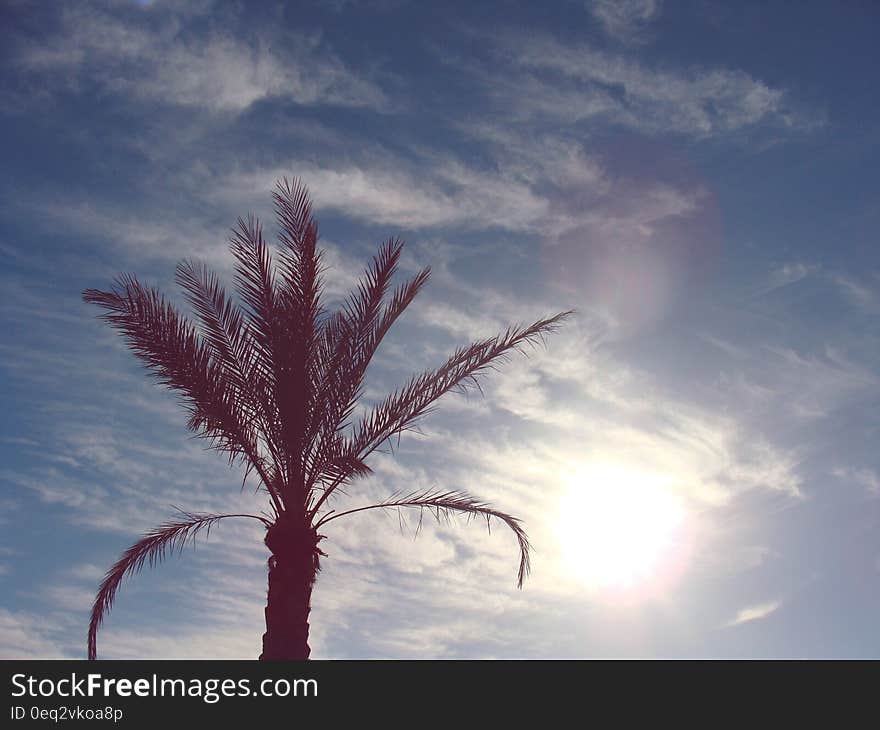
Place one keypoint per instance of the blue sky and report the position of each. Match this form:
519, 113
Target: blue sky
694, 455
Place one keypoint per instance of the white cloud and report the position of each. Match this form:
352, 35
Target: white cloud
866, 478
213, 642
133, 482
165, 61
607, 411
28, 636
571, 82
754, 613
141, 236
87, 572
460, 323
812, 386
785, 275
624, 20
863, 295
387, 191
535, 157
605, 230
68, 597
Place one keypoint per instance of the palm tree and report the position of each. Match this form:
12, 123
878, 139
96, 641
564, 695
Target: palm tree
274, 386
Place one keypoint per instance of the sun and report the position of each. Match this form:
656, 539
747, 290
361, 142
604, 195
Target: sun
619, 527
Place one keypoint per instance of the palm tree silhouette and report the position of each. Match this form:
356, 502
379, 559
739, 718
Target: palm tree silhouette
274, 385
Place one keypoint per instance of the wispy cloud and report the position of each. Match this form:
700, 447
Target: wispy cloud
863, 293
625, 20
864, 477
574, 82
624, 415
814, 385
391, 191
787, 274
170, 60
754, 613
139, 235
26, 635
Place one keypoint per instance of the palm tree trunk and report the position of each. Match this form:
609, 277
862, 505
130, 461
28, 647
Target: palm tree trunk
293, 568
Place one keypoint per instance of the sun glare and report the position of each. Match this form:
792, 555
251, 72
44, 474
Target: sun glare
619, 527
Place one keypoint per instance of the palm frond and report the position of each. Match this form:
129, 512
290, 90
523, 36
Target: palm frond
401, 410
168, 344
300, 260
442, 504
255, 283
152, 549
363, 305
293, 207
348, 343
400, 300
229, 339
222, 322
300, 263
299, 299
329, 448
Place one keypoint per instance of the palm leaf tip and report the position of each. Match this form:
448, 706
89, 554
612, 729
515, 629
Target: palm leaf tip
443, 504
151, 549
401, 409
